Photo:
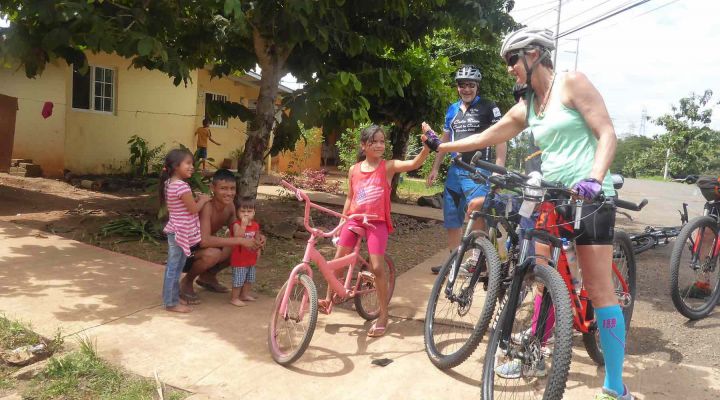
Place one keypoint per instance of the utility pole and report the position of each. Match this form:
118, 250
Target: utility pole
557, 32
643, 118
576, 52
667, 160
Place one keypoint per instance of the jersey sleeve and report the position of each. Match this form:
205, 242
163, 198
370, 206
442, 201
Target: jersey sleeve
449, 115
496, 114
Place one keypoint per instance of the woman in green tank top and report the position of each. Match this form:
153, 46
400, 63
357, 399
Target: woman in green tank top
570, 123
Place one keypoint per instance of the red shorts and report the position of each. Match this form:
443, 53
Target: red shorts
376, 238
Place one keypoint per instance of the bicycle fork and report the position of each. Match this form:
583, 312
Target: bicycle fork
468, 238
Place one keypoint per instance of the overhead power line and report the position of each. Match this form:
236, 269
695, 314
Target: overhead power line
602, 18
535, 6
633, 18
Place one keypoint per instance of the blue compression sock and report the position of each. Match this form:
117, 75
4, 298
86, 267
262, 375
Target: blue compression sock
611, 324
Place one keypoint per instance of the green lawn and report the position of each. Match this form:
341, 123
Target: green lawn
414, 188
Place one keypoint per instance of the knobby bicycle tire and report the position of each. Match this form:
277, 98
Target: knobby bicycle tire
677, 298
451, 360
644, 243
562, 352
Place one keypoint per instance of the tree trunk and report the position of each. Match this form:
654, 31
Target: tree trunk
271, 59
400, 136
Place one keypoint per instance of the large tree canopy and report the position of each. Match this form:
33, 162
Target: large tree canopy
318, 41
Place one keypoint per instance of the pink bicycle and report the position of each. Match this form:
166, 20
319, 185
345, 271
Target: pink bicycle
295, 311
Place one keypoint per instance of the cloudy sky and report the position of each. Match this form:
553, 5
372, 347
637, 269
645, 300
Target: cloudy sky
647, 57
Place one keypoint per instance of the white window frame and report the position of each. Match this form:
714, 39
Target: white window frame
215, 97
92, 91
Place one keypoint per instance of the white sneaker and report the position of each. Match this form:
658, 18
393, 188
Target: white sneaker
514, 370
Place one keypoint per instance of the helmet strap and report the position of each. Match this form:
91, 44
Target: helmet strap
528, 77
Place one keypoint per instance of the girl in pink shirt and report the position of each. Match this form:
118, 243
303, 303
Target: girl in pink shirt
369, 193
183, 227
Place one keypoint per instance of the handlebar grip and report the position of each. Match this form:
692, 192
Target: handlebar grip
489, 166
462, 164
629, 205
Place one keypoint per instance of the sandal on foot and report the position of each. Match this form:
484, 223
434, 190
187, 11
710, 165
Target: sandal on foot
376, 331
213, 287
324, 306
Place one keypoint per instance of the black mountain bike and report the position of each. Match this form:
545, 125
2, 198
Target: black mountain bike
463, 298
653, 236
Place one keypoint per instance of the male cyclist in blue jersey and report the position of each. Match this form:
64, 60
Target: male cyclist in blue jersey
471, 115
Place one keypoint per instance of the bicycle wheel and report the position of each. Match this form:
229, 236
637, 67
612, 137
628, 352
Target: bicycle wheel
531, 365
455, 325
643, 243
694, 280
367, 305
289, 337
624, 261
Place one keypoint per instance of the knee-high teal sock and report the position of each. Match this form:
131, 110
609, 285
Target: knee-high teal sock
611, 323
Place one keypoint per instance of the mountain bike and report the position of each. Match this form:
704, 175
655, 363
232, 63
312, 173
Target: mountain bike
295, 310
462, 300
652, 236
694, 280
535, 332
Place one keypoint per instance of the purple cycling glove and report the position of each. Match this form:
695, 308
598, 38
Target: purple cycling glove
432, 140
588, 188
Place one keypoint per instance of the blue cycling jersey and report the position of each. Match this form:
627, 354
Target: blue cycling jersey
479, 116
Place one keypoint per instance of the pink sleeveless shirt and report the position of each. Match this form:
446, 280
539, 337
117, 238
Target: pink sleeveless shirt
371, 193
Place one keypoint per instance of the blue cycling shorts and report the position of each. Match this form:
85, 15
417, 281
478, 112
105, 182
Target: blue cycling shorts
459, 191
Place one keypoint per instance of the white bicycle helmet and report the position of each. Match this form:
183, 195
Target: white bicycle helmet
468, 73
528, 37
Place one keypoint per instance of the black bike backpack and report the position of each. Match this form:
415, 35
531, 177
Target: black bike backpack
709, 187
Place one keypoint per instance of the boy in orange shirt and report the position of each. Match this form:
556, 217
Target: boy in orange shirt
203, 135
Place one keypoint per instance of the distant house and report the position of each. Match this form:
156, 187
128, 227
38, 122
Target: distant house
95, 114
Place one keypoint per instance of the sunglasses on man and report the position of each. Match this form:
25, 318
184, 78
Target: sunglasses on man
467, 85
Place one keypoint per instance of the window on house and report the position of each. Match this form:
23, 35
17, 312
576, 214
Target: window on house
95, 90
252, 106
217, 122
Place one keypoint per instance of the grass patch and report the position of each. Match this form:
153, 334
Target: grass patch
82, 374
14, 334
414, 188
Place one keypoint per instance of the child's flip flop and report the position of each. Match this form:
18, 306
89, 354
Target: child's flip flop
376, 331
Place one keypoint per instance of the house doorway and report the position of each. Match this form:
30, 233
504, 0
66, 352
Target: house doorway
8, 111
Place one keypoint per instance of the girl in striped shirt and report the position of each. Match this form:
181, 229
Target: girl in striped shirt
183, 227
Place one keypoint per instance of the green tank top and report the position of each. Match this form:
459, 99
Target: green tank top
567, 143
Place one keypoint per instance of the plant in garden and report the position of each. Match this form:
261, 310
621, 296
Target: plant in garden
142, 156
133, 228
312, 179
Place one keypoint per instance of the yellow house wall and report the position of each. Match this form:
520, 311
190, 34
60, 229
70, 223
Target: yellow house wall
296, 161
37, 138
147, 104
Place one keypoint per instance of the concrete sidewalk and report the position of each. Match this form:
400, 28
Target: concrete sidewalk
220, 350
338, 200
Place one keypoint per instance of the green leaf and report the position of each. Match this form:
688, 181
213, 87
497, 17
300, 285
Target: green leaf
357, 84
344, 78
145, 46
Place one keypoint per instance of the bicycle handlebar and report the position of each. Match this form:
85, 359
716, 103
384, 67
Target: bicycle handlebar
629, 205
302, 196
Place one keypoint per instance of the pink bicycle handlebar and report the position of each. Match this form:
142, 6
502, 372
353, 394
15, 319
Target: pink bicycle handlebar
302, 196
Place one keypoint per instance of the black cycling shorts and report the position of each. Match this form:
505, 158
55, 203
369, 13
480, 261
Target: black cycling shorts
597, 226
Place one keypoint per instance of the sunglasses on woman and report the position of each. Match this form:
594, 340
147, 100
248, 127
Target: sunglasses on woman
512, 59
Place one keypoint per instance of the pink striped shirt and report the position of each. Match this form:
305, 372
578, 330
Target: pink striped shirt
182, 223
371, 193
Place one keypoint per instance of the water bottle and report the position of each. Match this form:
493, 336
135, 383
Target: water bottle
571, 257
